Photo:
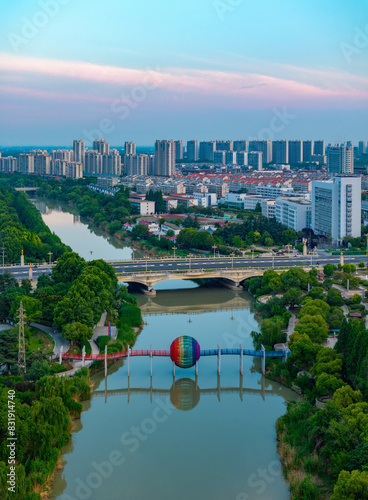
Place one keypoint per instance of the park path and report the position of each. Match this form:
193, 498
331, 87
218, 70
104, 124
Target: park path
60, 342
292, 322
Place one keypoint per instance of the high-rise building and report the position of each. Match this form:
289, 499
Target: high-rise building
130, 148
230, 157
42, 163
280, 152
101, 146
340, 159
224, 145
265, 147
136, 164
179, 150
93, 162
25, 164
308, 150
319, 148
255, 159
62, 154
164, 158
8, 164
111, 163
206, 150
242, 158
219, 157
294, 213
336, 207
192, 150
361, 147
295, 151
240, 145
79, 151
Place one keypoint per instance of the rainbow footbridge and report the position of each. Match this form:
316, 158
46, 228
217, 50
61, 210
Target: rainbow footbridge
184, 352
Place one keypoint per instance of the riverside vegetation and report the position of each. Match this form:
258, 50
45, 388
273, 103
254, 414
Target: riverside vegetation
324, 451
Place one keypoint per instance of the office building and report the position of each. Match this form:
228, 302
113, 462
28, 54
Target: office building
340, 159
295, 151
192, 150
101, 146
319, 148
280, 152
255, 159
336, 207
308, 150
79, 151
265, 147
164, 158
239, 146
179, 150
206, 150
294, 213
130, 148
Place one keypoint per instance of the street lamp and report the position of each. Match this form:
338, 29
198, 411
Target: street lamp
252, 251
49, 254
174, 248
133, 253
273, 258
190, 262
232, 259
146, 263
214, 251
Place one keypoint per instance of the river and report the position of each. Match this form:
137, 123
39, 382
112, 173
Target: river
164, 438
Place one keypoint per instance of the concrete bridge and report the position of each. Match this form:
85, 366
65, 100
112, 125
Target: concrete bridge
230, 278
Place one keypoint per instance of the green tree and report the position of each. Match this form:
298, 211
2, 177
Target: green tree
139, 232
33, 308
77, 332
293, 297
351, 486
329, 269
7, 280
9, 348
69, 266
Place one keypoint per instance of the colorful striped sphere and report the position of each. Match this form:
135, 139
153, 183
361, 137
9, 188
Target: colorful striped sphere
185, 351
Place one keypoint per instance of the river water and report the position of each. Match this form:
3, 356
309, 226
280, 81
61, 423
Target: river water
193, 438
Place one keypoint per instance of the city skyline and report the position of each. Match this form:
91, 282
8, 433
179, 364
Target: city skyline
199, 69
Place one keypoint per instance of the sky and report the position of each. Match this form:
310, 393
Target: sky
196, 69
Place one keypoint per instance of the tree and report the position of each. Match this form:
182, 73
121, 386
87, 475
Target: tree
345, 396
293, 297
326, 383
9, 348
237, 242
304, 351
139, 232
77, 331
356, 298
7, 280
258, 208
38, 370
361, 265
351, 485
288, 237
329, 269
27, 285
170, 233
314, 326
334, 297
33, 308
69, 266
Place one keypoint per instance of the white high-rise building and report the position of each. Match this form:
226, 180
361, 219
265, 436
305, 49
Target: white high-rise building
294, 213
62, 154
8, 164
136, 164
336, 207
79, 151
42, 164
111, 163
340, 159
93, 162
101, 146
192, 150
164, 158
130, 148
25, 164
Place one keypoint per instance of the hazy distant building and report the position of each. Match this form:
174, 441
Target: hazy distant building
130, 148
42, 164
295, 151
280, 152
164, 158
93, 162
265, 147
308, 150
8, 164
206, 150
136, 164
62, 154
192, 150
361, 147
319, 148
25, 164
79, 151
255, 159
242, 158
321, 159
111, 163
240, 146
230, 157
219, 157
336, 207
224, 145
101, 146
340, 159
179, 150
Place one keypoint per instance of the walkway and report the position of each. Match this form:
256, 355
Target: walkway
60, 342
100, 330
292, 322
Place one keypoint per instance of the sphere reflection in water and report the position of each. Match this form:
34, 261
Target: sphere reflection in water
185, 394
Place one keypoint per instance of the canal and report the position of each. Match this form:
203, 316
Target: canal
164, 438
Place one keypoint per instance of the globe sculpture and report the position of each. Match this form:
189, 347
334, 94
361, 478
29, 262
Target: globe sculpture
185, 351
185, 394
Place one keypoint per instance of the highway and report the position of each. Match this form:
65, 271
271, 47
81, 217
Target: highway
195, 263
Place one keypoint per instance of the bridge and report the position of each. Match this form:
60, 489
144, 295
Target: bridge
28, 189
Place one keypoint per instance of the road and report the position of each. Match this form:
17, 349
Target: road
171, 264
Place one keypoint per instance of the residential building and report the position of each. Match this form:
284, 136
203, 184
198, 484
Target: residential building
265, 147
308, 151
230, 157
280, 152
79, 151
93, 162
206, 150
240, 146
294, 213
319, 148
164, 158
224, 145
321, 159
168, 226
8, 164
179, 150
340, 159
192, 150
143, 207
136, 164
295, 152
336, 207
130, 148
242, 158
255, 159
42, 164
62, 154
219, 157
101, 146
111, 163
361, 148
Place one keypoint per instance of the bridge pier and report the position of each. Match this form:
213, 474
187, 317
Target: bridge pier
219, 361
145, 289
263, 360
105, 360
232, 285
241, 360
